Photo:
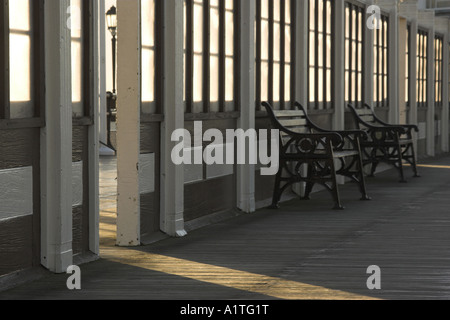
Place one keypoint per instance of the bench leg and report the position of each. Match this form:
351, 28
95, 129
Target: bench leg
362, 183
400, 164
414, 162
277, 190
335, 188
309, 185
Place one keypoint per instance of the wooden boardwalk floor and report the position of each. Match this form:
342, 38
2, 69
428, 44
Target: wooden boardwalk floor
304, 250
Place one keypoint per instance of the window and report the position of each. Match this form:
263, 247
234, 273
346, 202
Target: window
21, 82
439, 64
77, 44
321, 37
381, 63
209, 56
274, 30
354, 59
422, 68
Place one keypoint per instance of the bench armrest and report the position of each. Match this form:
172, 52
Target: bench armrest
309, 143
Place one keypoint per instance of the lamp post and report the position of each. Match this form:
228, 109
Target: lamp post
111, 20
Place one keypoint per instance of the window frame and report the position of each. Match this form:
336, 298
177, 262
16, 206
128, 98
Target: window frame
439, 66
422, 68
86, 67
158, 114
205, 104
358, 92
381, 44
36, 72
282, 104
316, 105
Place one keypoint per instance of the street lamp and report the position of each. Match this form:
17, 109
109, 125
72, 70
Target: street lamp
111, 19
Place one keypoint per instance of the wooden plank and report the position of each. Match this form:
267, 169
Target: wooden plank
16, 244
293, 123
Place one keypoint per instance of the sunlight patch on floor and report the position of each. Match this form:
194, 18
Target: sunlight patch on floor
222, 276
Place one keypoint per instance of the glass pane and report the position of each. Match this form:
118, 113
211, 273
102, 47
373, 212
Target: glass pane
276, 82
276, 10
198, 28
264, 40
287, 83
287, 44
265, 9
198, 78
20, 67
148, 22
229, 4
276, 41
288, 11
19, 15
148, 75
214, 75
264, 81
229, 33
229, 79
214, 32
312, 79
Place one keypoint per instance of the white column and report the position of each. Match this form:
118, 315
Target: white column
56, 142
301, 60
172, 176
128, 123
246, 173
413, 117
368, 63
339, 65
393, 66
93, 134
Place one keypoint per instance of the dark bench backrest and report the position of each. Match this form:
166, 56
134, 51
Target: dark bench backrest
287, 121
364, 114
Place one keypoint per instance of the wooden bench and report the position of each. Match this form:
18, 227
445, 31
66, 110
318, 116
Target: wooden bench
385, 142
313, 155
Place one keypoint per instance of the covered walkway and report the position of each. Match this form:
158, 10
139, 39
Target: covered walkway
302, 251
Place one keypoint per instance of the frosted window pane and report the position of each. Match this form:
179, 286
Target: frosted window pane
288, 11
148, 22
276, 10
265, 9
77, 70
287, 41
229, 80
198, 78
214, 76
287, 83
214, 36
229, 34
19, 15
198, 28
148, 75
264, 40
276, 82
229, 4
20, 66
264, 80
276, 41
